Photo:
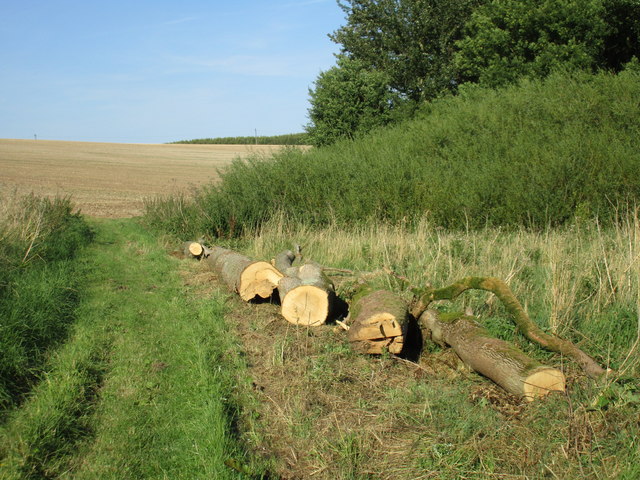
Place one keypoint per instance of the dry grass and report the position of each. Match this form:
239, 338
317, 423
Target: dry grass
321, 411
110, 179
318, 410
19, 226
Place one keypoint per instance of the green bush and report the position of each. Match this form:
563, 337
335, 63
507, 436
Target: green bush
348, 100
540, 153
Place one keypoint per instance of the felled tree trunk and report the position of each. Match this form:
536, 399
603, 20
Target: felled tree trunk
247, 277
193, 250
306, 293
496, 359
520, 318
379, 322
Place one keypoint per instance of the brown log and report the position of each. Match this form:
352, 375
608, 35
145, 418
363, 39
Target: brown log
193, 249
496, 359
249, 278
306, 293
528, 328
379, 321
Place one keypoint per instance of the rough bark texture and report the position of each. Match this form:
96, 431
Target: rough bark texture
306, 293
378, 321
520, 318
496, 359
247, 277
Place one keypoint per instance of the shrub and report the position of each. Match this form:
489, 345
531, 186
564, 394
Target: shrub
536, 154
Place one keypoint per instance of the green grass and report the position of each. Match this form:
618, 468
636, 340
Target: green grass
39, 286
536, 154
144, 386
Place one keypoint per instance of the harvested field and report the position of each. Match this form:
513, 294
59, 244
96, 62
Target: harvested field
111, 179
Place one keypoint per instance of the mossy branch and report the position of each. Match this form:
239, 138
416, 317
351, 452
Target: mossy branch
501, 290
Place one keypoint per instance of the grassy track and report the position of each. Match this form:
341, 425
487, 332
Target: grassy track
142, 387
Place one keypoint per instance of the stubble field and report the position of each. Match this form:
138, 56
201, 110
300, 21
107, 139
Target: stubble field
111, 179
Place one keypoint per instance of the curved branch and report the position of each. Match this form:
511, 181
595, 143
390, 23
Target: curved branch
534, 333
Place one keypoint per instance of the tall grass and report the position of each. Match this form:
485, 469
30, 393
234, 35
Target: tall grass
581, 282
39, 237
537, 154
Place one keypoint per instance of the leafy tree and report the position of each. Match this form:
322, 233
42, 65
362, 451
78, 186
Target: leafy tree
507, 39
622, 41
348, 99
412, 41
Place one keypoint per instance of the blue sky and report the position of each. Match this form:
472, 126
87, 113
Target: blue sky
158, 71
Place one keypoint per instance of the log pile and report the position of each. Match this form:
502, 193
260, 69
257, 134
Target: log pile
379, 320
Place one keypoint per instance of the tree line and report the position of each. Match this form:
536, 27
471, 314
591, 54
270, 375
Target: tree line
395, 55
287, 139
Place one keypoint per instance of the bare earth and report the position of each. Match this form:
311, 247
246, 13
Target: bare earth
111, 179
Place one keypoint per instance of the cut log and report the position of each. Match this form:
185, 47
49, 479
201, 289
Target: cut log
528, 328
496, 359
248, 278
306, 293
379, 322
193, 249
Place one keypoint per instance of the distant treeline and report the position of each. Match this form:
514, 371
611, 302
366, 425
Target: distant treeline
288, 139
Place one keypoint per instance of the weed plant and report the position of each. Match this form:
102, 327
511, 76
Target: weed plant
538, 154
39, 238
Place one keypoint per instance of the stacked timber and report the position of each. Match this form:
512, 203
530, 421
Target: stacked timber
248, 278
306, 294
496, 359
378, 322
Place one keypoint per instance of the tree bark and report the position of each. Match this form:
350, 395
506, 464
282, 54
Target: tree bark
496, 359
306, 293
247, 277
520, 318
380, 321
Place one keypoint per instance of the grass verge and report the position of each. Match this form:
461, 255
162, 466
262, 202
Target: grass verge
144, 386
39, 285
